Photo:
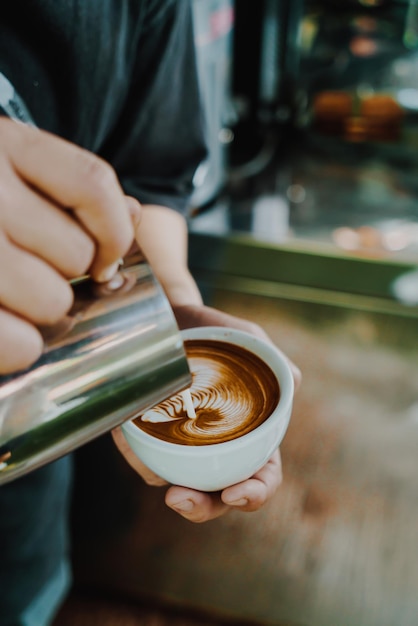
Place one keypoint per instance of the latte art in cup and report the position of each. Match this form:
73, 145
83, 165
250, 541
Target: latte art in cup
233, 391
242, 392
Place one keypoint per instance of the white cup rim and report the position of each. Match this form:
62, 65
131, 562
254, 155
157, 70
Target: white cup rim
277, 362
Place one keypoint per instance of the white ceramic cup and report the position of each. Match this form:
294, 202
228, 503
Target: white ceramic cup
216, 466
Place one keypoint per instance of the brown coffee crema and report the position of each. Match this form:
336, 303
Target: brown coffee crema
233, 392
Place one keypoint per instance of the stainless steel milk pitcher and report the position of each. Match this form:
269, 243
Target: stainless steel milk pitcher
117, 354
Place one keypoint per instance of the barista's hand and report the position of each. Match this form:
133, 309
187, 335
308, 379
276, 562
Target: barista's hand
62, 214
249, 495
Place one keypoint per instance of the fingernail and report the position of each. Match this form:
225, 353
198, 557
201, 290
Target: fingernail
185, 506
107, 274
241, 502
116, 282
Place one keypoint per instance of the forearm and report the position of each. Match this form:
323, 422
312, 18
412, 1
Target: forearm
163, 238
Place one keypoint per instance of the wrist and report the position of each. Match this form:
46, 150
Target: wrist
182, 290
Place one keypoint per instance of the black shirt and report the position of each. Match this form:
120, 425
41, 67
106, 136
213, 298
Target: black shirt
117, 77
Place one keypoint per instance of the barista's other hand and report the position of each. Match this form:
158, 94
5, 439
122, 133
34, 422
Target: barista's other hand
198, 506
62, 214
249, 495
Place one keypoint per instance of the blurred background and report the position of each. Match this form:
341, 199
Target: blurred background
305, 220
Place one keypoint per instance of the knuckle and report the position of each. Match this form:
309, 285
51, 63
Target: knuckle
98, 174
58, 303
122, 242
23, 136
83, 252
31, 350
21, 344
7, 127
18, 137
7, 192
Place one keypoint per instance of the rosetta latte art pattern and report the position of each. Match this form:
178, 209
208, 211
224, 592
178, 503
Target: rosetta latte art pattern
233, 391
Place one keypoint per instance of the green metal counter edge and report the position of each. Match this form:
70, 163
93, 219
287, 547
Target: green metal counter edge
239, 262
